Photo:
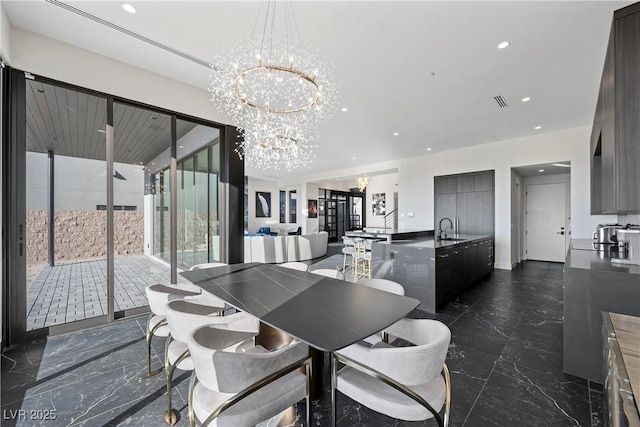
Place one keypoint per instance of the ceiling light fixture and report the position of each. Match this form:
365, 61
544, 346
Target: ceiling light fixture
362, 183
275, 89
526, 99
396, 134
344, 109
540, 170
428, 149
538, 127
503, 45
128, 8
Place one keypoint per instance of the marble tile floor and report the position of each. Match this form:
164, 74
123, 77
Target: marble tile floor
505, 360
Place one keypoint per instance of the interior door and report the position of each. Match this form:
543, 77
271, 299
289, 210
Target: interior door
545, 222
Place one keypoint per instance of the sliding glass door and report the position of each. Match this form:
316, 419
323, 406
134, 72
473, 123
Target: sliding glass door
105, 197
65, 212
198, 174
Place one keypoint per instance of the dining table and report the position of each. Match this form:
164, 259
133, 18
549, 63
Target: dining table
327, 314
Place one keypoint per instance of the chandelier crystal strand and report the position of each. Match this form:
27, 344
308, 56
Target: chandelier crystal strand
277, 90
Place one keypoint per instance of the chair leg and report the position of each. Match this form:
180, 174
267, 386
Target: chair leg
192, 387
150, 333
171, 416
308, 400
334, 385
447, 403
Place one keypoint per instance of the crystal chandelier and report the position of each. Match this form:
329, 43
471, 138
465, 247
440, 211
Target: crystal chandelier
362, 183
276, 89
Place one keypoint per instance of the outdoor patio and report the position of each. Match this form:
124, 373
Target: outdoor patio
78, 290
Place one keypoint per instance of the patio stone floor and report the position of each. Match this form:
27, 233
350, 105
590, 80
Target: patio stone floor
78, 290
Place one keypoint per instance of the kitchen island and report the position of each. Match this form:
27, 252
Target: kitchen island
593, 284
434, 270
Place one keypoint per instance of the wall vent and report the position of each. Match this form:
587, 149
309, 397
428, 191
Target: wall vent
501, 101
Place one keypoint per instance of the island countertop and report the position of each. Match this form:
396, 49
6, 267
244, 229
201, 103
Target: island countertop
432, 242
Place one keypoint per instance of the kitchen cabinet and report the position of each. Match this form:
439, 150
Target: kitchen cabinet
460, 266
615, 137
469, 197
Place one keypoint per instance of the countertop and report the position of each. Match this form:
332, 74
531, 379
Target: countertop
583, 256
627, 329
432, 243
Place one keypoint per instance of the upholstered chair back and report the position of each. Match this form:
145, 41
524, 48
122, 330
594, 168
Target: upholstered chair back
230, 371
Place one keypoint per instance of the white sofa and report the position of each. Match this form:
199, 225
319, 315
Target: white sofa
278, 249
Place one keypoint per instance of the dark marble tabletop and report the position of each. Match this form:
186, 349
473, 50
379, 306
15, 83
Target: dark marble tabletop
326, 313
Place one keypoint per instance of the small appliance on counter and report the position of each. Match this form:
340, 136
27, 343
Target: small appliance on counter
631, 239
606, 234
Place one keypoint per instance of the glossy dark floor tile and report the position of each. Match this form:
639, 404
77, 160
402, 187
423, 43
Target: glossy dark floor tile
505, 360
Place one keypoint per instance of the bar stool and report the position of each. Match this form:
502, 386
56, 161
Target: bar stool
348, 252
362, 260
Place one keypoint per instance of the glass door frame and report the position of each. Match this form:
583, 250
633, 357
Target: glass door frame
14, 204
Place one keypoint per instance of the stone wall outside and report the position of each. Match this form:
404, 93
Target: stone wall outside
83, 234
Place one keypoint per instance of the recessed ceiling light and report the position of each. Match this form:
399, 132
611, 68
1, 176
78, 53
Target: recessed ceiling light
128, 8
353, 158
526, 99
344, 109
180, 146
428, 149
561, 165
503, 45
538, 127
396, 134
540, 170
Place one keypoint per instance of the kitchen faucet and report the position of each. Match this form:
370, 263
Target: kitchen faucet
445, 230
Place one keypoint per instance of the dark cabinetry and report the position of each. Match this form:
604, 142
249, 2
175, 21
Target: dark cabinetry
615, 138
468, 197
461, 265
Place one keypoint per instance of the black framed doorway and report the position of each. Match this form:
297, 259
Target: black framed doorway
341, 211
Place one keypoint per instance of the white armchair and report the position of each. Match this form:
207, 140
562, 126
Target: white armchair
158, 296
183, 317
406, 383
244, 388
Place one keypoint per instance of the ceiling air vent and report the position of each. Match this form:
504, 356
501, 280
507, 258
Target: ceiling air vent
501, 101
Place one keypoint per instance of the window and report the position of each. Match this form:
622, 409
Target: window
292, 207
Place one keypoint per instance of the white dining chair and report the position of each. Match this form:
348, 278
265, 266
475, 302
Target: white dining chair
382, 285
409, 383
207, 265
329, 272
295, 265
183, 317
242, 388
158, 296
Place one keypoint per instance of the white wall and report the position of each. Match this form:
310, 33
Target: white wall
47, 57
564, 178
81, 183
5, 35
416, 180
387, 184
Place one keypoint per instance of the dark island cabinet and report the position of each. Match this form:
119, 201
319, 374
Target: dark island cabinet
460, 266
615, 137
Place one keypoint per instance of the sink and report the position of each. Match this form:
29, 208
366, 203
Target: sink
453, 239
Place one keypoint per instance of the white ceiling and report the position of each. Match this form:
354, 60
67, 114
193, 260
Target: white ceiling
384, 53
